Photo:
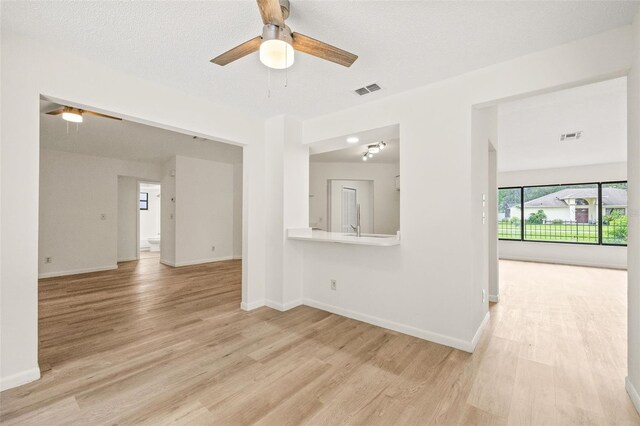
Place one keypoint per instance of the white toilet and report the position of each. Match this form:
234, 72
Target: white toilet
154, 243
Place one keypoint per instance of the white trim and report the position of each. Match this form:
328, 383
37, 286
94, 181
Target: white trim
251, 305
128, 259
467, 346
76, 271
195, 262
566, 262
19, 379
237, 257
479, 331
633, 393
495, 298
283, 307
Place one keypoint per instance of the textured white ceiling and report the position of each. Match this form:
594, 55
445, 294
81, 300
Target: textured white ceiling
529, 129
401, 45
126, 140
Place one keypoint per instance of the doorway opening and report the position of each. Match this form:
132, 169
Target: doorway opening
149, 220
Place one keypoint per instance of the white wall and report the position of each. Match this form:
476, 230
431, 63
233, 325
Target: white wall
287, 189
386, 198
572, 254
168, 213
633, 150
30, 70
127, 224
204, 211
237, 211
492, 221
150, 218
75, 191
426, 286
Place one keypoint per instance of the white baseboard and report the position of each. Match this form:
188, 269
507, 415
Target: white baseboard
564, 262
195, 262
283, 307
76, 271
252, 305
633, 393
467, 346
479, 331
127, 259
19, 379
495, 298
237, 257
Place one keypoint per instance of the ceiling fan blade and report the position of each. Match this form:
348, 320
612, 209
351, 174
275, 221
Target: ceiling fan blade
322, 50
101, 115
238, 52
271, 12
56, 111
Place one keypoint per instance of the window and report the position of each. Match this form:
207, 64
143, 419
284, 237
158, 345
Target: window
614, 221
144, 201
590, 213
509, 214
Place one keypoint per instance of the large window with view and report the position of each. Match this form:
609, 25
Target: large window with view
589, 213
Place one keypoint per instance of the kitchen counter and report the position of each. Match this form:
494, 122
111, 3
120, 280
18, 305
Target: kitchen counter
307, 234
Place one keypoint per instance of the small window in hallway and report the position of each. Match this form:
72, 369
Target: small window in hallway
144, 201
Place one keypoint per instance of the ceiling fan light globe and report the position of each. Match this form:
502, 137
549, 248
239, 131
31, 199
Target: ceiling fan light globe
276, 54
72, 116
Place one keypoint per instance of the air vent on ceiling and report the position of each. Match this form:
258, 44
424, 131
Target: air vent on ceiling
570, 136
367, 89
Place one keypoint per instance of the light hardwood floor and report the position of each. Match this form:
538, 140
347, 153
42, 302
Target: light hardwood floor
155, 345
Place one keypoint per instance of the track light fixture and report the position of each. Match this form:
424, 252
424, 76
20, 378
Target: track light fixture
373, 149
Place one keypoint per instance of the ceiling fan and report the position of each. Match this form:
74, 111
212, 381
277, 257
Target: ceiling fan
277, 43
75, 114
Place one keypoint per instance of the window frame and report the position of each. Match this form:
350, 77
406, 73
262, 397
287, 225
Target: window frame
521, 188
600, 241
146, 202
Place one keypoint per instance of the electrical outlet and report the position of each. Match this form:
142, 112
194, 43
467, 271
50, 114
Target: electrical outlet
334, 285
48, 259
213, 248
484, 295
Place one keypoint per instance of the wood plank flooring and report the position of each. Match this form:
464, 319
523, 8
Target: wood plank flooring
149, 344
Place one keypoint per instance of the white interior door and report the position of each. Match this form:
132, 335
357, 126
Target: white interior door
349, 203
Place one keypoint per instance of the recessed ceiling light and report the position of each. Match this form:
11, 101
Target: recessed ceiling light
353, 139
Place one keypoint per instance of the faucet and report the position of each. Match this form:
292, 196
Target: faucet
357, 227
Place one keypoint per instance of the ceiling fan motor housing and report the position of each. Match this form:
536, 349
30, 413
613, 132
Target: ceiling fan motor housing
274, 32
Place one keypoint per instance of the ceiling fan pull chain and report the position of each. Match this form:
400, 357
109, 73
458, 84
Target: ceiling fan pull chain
268, 82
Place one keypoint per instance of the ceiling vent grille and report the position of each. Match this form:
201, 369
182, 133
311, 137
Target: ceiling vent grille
570, 136
367, 89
